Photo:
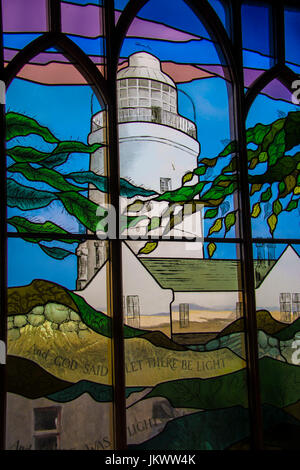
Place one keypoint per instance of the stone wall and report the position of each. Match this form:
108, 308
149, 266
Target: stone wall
58, 316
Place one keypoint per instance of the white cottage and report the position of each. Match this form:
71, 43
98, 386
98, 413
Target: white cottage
143, 296
184, 295
280, 290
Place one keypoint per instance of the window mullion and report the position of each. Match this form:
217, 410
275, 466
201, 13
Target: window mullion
247, 264
277, 31
54, 16
115, 247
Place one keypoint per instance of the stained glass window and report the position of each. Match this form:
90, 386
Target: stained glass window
275, 228
20, 26
291, 34
149, 284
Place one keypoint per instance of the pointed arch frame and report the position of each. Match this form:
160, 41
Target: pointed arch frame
281, 72
71, 51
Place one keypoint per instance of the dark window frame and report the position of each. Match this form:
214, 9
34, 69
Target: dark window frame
45, 433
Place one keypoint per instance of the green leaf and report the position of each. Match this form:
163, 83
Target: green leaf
130, 190
54, 160
254, 162
230, 148
256, 134
210, 162
224, 183
89, 177
281, 187
185, 193
255, 188
45, 175
266, 195
290, 182
201, 170
277, 207
55, 252
230, 220
292, 205
26, 226
26, 198
136, 206
263, 157
211, 213
174, 220
18, 125
130, 221
23, 154
154, 223
72, 146
148, 248
231, 167
187, 177
292, 130
211, 248
256, 210
272, 222
277, 147
26, 154
100, 182
217, 192
84, 210
217, 226
276, 128
283, 170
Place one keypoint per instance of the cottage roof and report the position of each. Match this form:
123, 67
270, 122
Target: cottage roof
201, 275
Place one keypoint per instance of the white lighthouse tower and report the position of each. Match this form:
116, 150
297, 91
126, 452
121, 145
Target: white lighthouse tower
157, 148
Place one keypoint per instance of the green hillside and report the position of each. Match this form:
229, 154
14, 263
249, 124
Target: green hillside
278, 381
98, 321
224, 428
265, 322
289, 331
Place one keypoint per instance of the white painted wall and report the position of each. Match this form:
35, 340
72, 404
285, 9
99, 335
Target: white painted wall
283, 277
136, 281
149, 151
170, 249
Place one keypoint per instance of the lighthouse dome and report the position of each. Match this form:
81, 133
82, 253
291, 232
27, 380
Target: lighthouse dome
145, 65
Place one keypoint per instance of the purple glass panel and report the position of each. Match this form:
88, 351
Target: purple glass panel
21, 16
250, 75
277, 90
81, 20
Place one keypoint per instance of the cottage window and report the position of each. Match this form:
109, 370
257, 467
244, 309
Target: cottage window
165, 184
47, 428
